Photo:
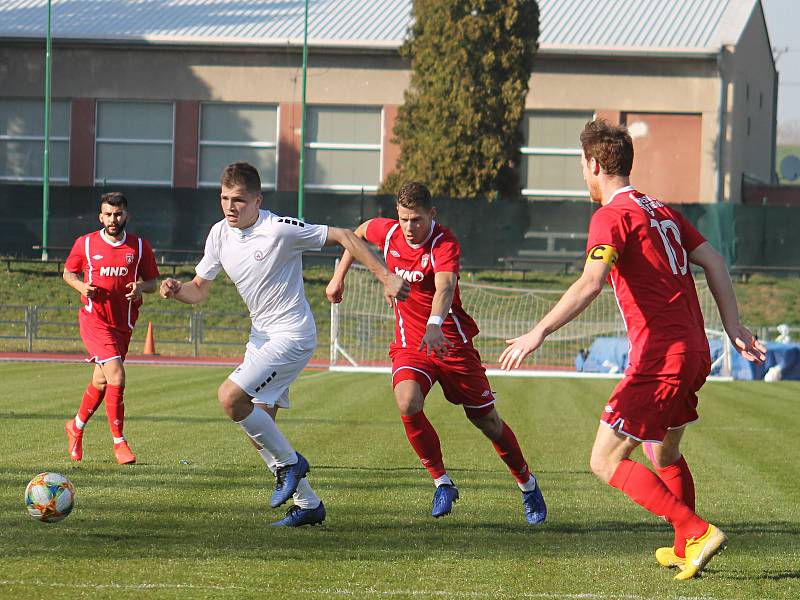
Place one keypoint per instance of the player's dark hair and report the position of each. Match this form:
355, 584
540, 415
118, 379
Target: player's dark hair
116, 199
415, 195
610, 145
242, 174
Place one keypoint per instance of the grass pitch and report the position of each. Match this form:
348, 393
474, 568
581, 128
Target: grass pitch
166, 529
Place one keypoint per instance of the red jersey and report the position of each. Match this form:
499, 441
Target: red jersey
652, 280
440, 252
110, 266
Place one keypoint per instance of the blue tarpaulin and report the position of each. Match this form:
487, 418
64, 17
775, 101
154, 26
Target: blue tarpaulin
610, 355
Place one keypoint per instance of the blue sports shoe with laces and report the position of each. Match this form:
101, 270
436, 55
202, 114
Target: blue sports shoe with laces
443, 499
297, 517
535, 508
287, 479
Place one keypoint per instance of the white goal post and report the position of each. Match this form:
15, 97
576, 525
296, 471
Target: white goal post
362, 327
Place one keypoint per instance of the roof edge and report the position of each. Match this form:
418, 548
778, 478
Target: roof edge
392, 46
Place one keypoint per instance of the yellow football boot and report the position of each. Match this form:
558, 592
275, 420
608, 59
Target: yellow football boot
701, 550
666, 557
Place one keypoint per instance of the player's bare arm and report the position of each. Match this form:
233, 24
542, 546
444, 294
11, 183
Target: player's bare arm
75, 280
574, 301
393, 286
190, 292
434, 340
137, 288
719, 282
335, 289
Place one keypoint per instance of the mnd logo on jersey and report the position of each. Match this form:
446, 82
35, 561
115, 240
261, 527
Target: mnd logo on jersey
113, 271
410, 276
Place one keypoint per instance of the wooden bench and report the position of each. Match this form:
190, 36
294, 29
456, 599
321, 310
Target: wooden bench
746, 271
526, 263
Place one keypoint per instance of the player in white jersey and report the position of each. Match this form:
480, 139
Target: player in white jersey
262, 254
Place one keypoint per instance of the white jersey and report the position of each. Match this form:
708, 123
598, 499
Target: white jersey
265, 263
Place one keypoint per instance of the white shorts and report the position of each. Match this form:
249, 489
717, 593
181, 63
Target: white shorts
270, 365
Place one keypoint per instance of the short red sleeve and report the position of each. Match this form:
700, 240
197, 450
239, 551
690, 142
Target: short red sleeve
76, 261
378, 229
148, 268
446, 256
607, 227
690, 237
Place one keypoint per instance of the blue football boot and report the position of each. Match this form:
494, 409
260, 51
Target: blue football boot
535, 508
443, 500
297, 517
287, 479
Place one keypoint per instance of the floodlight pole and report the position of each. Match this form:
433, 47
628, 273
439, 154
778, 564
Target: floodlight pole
48, 67
301, 183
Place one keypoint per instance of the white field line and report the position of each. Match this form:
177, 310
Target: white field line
347, 591
303, 376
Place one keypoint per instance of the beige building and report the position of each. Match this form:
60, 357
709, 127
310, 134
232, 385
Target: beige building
167, 93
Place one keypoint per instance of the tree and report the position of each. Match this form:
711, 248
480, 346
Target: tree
459, 128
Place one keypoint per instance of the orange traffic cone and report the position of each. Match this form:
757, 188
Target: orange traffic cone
149, 342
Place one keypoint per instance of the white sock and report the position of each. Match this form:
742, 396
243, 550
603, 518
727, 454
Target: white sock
264, 432
118, 440
304, 496
529, 485
443, 480
78, 423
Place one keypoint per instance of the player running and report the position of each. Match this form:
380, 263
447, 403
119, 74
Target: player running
643, 248
262, 254
433, 342
110, 268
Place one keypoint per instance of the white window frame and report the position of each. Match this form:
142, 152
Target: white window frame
356, 147
261, 144
37, 138
547, 151
159, 142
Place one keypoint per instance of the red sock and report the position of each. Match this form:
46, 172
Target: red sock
425, 441
508, 449
92, 398
642, 486
678, 478
115, 409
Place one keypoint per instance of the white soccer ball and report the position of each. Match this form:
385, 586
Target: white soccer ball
49, 497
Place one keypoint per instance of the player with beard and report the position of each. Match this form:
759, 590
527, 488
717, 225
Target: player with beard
111, 269
644, 250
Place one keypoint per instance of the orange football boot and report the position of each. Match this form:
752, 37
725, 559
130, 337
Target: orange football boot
123, 453
74, 440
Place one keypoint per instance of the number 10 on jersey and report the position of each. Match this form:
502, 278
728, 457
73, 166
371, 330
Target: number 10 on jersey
664, 228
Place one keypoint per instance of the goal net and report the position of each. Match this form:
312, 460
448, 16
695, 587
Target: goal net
362, 327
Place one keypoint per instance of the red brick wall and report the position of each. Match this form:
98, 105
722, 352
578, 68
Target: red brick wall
187, 126
81, 141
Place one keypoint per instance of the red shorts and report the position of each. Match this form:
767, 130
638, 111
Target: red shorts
461, 375
657, 395
103, 343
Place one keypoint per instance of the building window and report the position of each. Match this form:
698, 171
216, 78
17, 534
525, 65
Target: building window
238, 132
343, 151
22, 140
134, 142
550, 165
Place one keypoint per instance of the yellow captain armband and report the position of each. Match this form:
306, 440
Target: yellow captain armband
603, 253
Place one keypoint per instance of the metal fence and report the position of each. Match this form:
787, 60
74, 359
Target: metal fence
41, 328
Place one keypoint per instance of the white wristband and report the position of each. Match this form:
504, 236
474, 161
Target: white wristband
435, 320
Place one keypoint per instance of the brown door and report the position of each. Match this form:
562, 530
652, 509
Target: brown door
667, 155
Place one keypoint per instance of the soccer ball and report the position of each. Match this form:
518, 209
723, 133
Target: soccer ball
49, 497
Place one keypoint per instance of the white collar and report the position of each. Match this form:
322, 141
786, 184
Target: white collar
622, 190
243, 233
111, 242
425, 241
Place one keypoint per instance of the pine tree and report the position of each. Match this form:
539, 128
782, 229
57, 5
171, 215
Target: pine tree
459, 128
